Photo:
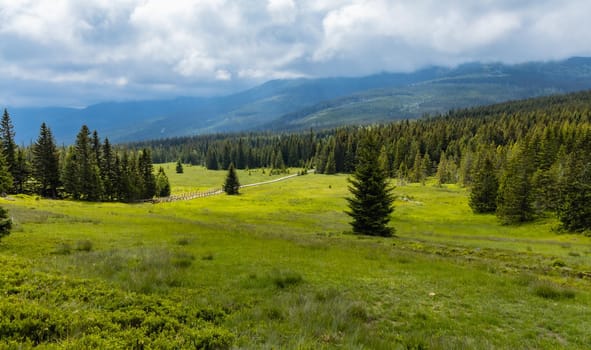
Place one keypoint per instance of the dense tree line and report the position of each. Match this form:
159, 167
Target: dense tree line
88, 170
522, 159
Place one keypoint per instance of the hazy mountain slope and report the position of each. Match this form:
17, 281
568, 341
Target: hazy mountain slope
468, 85
303, 103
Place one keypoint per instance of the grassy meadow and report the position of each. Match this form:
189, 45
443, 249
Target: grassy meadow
276, 268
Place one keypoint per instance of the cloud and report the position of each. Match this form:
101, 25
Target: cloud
85, 52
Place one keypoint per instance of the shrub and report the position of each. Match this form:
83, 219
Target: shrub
285, 278
63, 249
551, 290
183, 241
84, 245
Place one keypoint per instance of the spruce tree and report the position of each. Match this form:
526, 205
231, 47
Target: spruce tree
108, 170
485, 186
231, 185
146, 174
46, 163
371, 204
179, 167
515, 198
22, 171
71, 174
162, 184
8, 145
574, 209
6, 181
5, 223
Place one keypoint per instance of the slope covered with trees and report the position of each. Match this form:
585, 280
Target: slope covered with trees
530, 143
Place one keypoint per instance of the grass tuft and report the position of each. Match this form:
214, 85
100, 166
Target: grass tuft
550, 290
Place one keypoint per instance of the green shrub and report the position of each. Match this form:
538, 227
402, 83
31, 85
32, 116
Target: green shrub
84, 245
285, 278
63, 249
550, 290
183, 241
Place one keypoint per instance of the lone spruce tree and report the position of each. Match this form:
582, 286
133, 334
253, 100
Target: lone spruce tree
232, 185
371, 204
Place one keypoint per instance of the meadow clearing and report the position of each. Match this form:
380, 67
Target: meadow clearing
276, 268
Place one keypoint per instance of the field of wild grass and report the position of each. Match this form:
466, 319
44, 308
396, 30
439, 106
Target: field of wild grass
276, 268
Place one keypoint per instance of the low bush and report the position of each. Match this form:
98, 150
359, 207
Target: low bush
285, 278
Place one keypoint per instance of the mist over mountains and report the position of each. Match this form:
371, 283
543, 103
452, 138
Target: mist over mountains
297, 104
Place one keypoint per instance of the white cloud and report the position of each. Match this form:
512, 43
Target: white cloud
189, 46
282, 11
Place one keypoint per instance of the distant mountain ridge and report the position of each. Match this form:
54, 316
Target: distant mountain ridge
303, 103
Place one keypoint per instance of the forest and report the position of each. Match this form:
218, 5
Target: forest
282, 265
522, 159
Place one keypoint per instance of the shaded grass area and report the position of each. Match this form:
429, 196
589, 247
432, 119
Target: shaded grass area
276, 268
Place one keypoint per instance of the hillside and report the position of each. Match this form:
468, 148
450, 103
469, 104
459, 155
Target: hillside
305, 103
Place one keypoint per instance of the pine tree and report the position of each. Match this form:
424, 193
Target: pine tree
5, 223
179, 167
515, 200
71, 174
574, 209
331, 165
46, 169
211, 161
162, 184
6, 181
109, 170
483, 196
146, 174
8, 145
22, 171
232, 185
371, 204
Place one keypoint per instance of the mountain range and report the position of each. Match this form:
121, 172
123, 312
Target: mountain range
297, 104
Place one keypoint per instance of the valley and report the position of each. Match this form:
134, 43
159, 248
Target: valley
275, 267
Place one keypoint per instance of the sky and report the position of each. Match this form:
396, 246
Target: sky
75, 53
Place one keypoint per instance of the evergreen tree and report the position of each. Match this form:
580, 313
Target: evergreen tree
514, 202
162, 184
574, 210
231, 185
146, 174
71, 174
8, 145
179, 167
46, 163
485, 186
211, 161
109, 170
371, 204
6, 181
331, 165
5, 223
22, 171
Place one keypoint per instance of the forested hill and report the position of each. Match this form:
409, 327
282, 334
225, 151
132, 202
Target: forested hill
299, 104
538, 152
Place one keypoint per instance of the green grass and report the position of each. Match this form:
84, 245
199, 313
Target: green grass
198, 178
276, 267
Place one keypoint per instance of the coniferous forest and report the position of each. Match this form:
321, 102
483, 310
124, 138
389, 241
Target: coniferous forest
522, 159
